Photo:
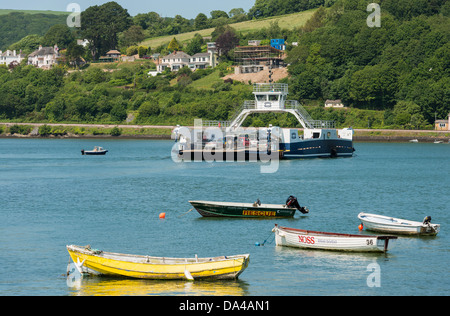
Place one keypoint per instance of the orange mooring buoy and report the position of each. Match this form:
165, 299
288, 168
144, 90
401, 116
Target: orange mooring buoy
162, 215
360, 227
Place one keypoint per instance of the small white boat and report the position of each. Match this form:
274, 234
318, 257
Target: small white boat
387, 224
414, 140
292, 237
96, 151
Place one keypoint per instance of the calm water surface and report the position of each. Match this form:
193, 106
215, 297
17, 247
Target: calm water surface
52, 196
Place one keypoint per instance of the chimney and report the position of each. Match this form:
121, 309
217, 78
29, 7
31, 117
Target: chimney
40, 47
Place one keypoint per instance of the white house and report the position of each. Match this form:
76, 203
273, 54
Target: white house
9, 57
200, 61
44, 57
334, 104
177, 60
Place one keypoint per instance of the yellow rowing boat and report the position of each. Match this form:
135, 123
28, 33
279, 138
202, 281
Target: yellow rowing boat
88, 260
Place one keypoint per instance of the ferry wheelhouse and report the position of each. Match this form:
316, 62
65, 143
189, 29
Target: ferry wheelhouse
317, 138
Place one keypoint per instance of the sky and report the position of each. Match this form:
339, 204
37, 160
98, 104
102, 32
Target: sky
166, 8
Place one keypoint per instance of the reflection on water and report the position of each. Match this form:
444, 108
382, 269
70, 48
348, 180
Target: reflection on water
107, 286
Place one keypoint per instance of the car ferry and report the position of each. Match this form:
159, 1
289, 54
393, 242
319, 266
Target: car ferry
227, 139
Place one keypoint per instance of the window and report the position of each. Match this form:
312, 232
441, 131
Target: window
260, 97
273, 97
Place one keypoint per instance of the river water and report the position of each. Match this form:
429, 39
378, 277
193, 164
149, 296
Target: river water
52, 196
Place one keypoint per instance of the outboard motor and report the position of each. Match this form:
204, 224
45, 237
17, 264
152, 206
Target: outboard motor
292, 202
427, 220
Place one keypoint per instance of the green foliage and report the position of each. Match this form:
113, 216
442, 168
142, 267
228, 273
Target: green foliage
132, 36
101, 25
27, 44
173, 45
115, 131
17, 25
401, 68
404, 60
58, 34
44, 130
267, 8
20, 129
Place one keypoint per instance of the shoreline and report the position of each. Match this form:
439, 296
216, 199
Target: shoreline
163, 132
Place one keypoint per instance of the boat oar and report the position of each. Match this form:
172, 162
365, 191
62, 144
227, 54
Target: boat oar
185, 213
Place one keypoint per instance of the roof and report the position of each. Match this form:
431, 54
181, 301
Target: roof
200, 55
113, 51
5, 54
43, 51
177, 54
334, 101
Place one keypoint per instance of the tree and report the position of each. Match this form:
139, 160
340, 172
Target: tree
132, 36
226, 41
173, 45
408, 114
148, 108
74, 53
195, 45
235, 12
215, 14
101, 24
58, 34
27, 44
201, 21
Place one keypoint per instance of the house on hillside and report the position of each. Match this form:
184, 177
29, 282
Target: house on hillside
252, 59
114, 54
442, 125
44, 57
334, 103
9, 57
200, 61
177, 60
111, 56
174, 61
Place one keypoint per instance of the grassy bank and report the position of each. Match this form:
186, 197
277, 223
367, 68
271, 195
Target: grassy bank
288, 21
82, 130
164, 132
388, 135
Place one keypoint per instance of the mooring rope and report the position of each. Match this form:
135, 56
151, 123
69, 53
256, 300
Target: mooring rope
264, 242
185, 213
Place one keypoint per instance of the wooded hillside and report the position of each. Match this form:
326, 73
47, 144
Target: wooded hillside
396, 75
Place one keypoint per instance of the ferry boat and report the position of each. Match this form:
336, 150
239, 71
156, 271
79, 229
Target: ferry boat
317, 138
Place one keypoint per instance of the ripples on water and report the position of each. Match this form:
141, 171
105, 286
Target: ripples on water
52, 196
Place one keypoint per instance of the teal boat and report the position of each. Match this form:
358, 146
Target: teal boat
248, 210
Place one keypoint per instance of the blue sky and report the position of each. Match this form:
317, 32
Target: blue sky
186, 8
